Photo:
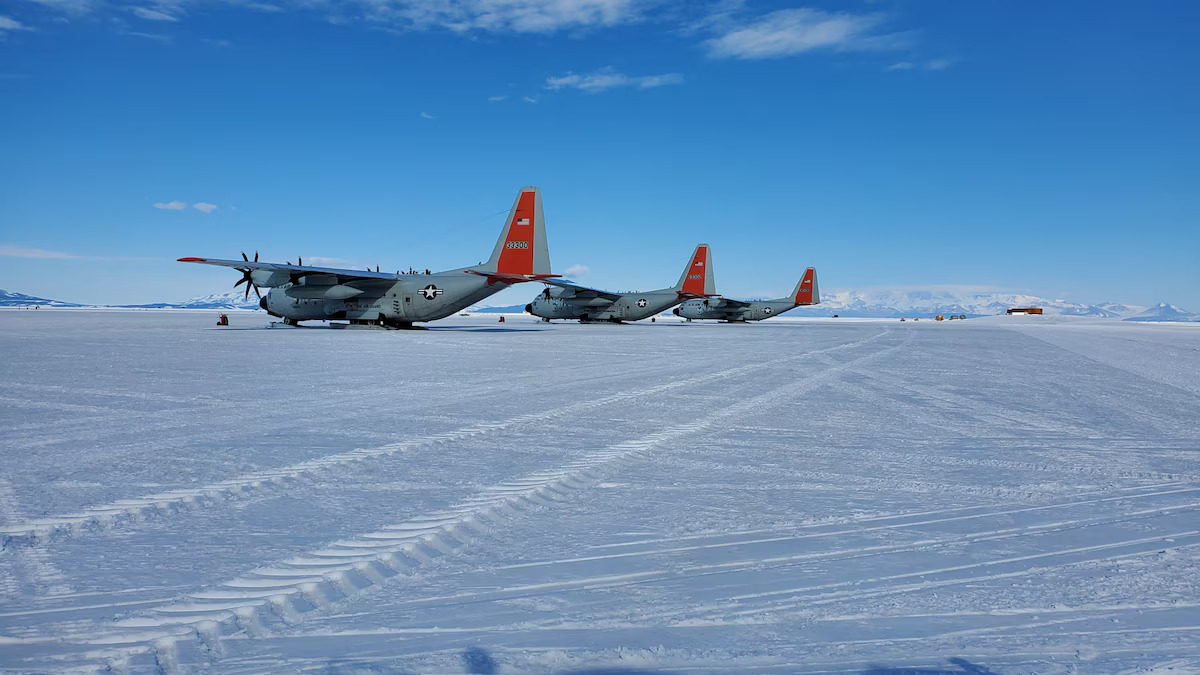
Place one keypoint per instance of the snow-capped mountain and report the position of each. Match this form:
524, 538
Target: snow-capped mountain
931, 301
1164, 312
235, 299
13, 299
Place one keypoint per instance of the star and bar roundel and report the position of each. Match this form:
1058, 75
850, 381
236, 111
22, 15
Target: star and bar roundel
430, 292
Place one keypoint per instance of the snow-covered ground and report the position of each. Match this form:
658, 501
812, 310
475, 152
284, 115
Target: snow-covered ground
994, 496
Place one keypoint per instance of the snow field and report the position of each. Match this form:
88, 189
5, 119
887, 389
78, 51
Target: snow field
787, 497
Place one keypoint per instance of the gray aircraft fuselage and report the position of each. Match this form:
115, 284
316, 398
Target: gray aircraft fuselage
756, 310
562, 303
407, 299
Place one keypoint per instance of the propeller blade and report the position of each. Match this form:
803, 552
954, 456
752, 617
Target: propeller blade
244, 257
300, 262
377, 269
256, 292
248, 291
256, 256
240, 282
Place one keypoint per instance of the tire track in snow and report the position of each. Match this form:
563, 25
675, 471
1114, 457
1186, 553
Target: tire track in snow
992, 413
774, 562
866, 518
126, 511
30, 566
853, 532
289, 589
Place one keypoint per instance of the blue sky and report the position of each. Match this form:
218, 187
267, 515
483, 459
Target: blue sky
1050, 148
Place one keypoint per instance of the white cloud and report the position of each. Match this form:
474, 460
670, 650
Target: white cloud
14, 251
151, 36
458, 16
153, 14
794, 31
576, 271
496, 98
607, 78
427, 116
500, 16
205, 207
171, 206
7, 24
529, 99
935, 64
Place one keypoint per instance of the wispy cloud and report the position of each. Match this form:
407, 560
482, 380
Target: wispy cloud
154, 14
7, 24
205, 207
607, 78
500, 16
427, 116
787, 32
151, 36
576, 271
495, 99
529, 99
457, 16
935, 64
171, 206
14, 251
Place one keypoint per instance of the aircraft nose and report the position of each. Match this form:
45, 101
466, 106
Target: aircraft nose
529, 308
675, 311
263, 302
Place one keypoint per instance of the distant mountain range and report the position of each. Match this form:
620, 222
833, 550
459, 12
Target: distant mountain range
885, 303
229, 300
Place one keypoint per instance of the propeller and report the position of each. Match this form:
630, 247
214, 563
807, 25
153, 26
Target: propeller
246, 279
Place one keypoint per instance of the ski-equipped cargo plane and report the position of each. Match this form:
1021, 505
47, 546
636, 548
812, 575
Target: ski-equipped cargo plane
301, 293
725, 309
565, 300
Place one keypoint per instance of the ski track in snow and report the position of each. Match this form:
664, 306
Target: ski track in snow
772, 498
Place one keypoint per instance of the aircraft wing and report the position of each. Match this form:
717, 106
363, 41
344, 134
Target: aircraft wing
297, 270
583, 291
726, 303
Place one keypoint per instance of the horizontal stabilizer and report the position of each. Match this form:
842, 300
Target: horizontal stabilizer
499, 278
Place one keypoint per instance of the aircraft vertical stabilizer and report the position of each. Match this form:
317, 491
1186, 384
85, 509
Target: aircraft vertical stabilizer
521, 249
806, 291
697, 278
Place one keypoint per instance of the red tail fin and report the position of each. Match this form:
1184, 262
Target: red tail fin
806, 291
697, 278
521, 249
